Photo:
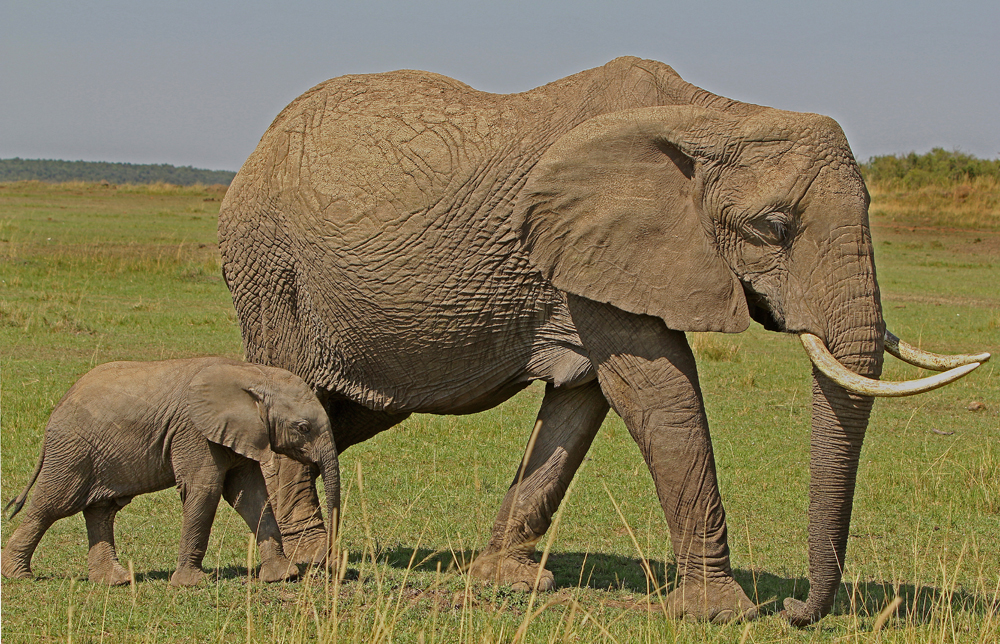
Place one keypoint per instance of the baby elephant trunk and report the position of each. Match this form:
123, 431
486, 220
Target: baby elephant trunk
326, 457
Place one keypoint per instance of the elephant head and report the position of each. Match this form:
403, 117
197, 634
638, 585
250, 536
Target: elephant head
707, 219
255, 410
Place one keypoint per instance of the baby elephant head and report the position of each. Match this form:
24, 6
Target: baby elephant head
254, 409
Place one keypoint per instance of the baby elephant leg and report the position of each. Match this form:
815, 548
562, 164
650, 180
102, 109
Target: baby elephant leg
200, 500
102, 560
15, 560
246, 491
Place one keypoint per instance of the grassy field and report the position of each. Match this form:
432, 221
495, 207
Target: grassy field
93, 273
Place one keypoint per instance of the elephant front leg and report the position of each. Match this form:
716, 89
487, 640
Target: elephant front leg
567, 423
102, 558
649, 376
201, 500
246, 491
292, 490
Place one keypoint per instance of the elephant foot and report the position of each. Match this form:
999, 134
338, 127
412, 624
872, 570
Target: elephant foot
306, 547
14, 570
186, 577
278, 569
514, 567
112, 575
719, 601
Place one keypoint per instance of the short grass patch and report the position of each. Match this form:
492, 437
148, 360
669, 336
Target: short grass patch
90, 274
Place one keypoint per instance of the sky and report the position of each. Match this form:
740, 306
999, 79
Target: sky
198, 82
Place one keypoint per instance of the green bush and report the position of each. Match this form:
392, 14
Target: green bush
937, 167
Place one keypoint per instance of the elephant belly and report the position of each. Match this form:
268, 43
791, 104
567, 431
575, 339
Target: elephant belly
124, 478
459, 354
78, 473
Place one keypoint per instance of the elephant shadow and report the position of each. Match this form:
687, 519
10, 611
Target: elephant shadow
220, 573
600, 571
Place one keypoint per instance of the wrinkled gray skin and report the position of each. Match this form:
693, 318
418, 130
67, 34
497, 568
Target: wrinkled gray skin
128, 428
406, 243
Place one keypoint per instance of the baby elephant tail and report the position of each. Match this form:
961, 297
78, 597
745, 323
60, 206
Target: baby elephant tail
18, 503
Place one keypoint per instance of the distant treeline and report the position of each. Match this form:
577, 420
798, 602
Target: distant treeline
97, 171
937, 167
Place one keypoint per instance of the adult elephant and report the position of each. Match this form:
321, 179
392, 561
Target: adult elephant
406, 243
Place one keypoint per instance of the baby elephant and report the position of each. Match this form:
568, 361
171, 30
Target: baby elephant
204, 424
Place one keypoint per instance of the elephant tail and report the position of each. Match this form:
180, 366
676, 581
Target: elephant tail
18, 503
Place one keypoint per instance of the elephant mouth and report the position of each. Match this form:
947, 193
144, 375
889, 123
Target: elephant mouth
760, 312
952, 366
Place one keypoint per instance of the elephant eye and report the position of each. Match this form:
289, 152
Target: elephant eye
779, 227
771, 228
301, 426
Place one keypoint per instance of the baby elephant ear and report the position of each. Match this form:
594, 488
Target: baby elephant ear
612, 212
226, 404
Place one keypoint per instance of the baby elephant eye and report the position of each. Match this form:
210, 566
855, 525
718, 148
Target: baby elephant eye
301, 426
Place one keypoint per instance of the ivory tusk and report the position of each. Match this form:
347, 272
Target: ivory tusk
837, 372
927, 360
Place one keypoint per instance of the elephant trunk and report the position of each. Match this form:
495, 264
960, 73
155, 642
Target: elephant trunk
839, 421
326, 457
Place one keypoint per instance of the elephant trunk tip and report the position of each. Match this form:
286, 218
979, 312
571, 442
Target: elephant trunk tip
800, 614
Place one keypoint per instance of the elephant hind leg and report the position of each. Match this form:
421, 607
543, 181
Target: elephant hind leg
295, 504
15, 560
102, 558
566, 425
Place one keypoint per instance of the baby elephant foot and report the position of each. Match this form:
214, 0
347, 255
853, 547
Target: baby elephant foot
112, 575
185, 577
515, 567
278, 569
716, 600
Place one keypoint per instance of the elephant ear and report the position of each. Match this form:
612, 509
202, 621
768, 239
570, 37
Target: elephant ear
226, 404
611, 212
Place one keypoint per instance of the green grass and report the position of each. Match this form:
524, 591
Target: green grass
90, 274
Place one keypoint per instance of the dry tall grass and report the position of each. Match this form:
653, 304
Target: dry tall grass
972, 204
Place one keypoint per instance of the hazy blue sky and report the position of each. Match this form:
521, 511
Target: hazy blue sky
197, 83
